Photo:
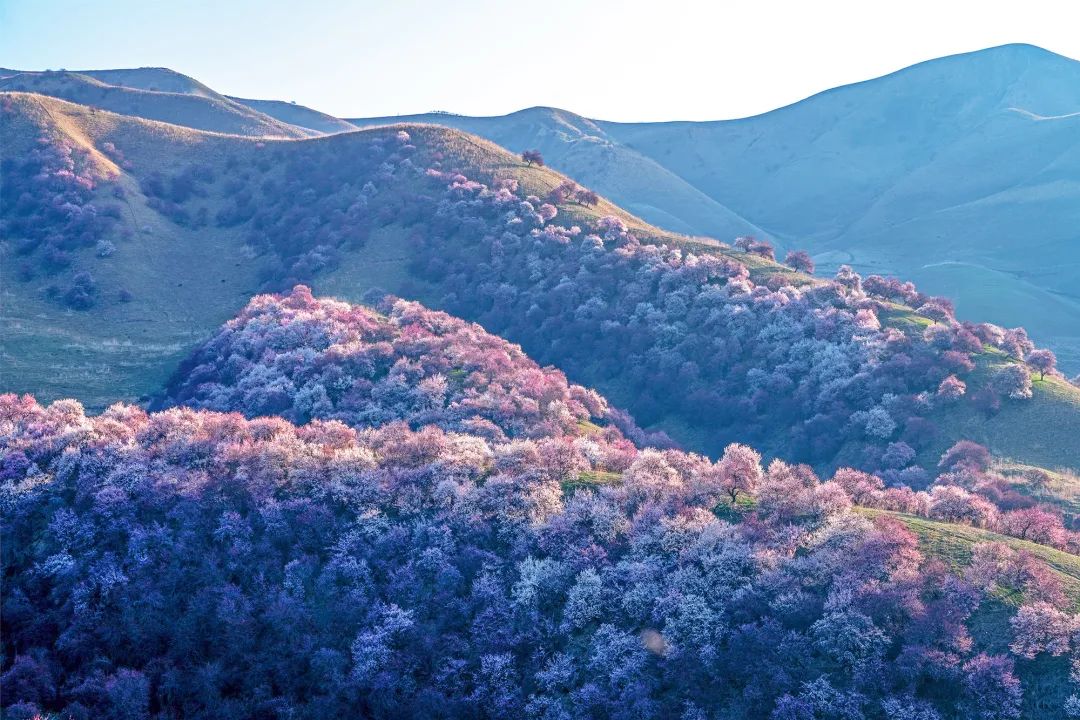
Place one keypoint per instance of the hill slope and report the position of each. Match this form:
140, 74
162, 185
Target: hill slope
298, 116
583, 150
131, 347
408, 525
193, 108
952, 173
152, 79
710, 343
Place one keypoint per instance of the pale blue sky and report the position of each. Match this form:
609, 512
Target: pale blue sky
610, 59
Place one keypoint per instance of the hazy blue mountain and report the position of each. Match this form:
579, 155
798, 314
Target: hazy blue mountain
961, 173
163, 94
319, 123
184, 102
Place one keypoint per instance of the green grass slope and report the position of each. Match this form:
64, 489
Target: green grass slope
197, 111
154, 79
1043, 431
1045, 676
184, 282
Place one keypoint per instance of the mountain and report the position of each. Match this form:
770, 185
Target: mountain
152, 79
196, 115
129, 240
429, 505
953, 173
187, 104
315, 122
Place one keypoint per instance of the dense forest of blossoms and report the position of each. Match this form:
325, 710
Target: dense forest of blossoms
696, 337
810, 368
51, 211
813, 368
190, 563
304, 358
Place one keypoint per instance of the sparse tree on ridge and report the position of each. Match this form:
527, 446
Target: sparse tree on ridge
587, 197
800, 260
562, 192
532, 157
1042, 360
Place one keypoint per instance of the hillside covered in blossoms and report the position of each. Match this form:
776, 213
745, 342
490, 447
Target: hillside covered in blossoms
300, 421
709, 342
479, 545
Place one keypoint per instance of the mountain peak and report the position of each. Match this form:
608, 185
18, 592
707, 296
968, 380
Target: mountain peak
1018, 49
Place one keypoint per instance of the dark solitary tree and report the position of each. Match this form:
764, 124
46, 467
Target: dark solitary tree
532, 157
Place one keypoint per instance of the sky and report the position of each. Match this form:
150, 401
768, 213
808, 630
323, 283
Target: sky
626, 60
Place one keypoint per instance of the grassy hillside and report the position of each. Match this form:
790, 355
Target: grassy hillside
154, 79
183, 281
1042, 430
953, 173
127, 350
186, 278
1059, 487
199, 111
581, 149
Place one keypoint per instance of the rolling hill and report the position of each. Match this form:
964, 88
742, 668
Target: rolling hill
133, 346
202, 221
426, 481
400, 513
582, 149
190, 104
953, 173
150, 93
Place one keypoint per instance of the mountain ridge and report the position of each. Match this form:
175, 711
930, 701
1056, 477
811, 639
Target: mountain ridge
879, 174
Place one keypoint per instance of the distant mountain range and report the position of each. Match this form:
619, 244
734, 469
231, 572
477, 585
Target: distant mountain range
961, 174
168, 96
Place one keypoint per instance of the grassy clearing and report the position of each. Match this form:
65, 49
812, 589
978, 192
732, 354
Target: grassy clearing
1043, 431
1061, 489
953, 543
590, 479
